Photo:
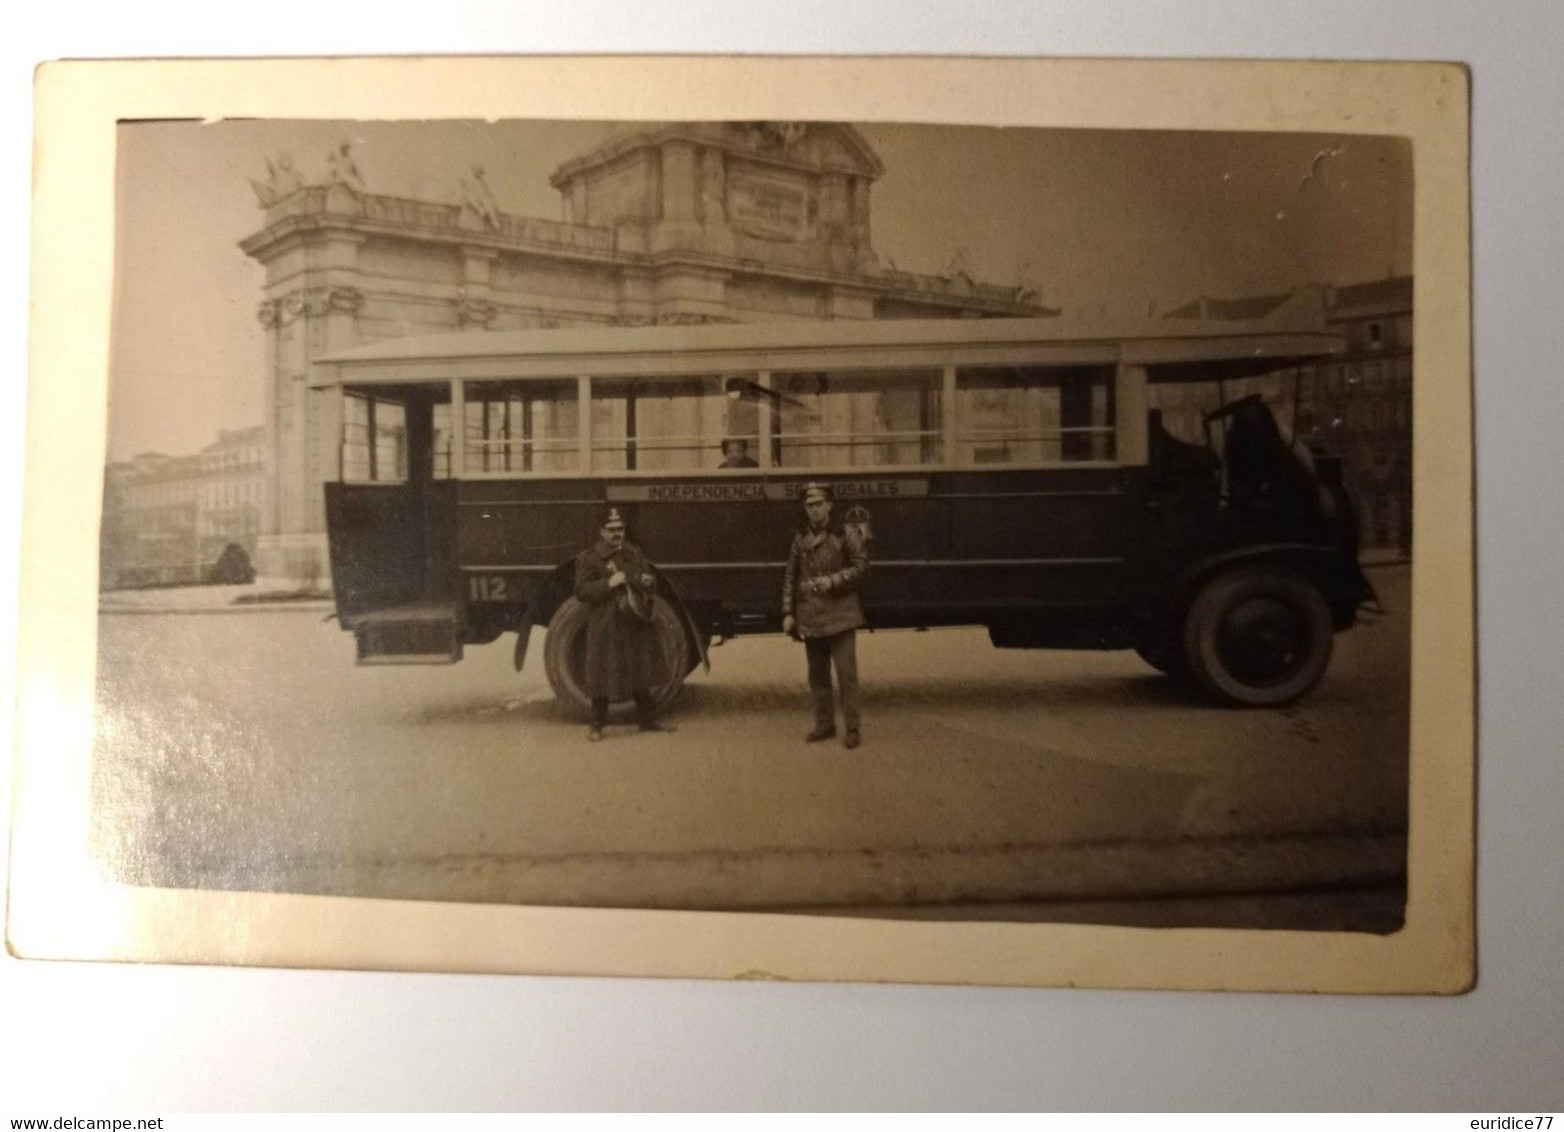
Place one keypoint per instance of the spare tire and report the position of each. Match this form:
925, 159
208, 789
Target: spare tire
564, 653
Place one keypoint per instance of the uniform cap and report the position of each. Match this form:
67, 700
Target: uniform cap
612, 517
814, 492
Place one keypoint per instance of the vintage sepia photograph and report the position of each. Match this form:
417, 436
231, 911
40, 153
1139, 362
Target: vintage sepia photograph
900, 519
820, 519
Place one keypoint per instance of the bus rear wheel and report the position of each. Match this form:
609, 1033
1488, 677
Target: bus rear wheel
564, 657
1258, 637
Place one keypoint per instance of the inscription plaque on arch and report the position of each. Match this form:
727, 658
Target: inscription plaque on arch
768, 207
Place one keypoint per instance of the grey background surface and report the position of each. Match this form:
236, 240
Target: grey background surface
99, 1039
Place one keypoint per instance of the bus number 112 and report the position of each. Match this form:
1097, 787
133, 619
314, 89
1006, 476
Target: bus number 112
486, 587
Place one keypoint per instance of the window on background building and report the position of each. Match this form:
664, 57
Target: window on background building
514, 426
858, 419
1376, 335
1034, 414
673, 424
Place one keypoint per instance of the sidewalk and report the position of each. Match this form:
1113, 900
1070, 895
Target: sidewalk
206, 599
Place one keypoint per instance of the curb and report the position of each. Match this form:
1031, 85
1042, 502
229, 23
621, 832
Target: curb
820, 878
257, 607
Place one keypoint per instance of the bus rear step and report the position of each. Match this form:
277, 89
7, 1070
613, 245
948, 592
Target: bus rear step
422, 632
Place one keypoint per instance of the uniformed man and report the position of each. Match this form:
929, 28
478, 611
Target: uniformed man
615, 581
820, 607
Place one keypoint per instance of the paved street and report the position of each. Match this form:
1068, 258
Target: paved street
247, 751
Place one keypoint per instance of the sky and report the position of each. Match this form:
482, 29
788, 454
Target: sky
1118, 223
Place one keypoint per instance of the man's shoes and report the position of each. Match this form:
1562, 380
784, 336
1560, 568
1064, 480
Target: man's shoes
653, 725
851, 740
594, 734
821, 733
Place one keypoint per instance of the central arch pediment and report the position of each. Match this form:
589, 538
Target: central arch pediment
808, 146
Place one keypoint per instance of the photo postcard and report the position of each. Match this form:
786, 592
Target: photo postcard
1000, 522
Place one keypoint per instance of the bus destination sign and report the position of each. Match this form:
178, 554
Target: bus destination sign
761, 492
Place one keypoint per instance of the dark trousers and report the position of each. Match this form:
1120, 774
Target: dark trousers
842, 651
643, 708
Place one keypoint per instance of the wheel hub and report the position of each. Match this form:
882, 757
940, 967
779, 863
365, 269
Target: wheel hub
1262, 641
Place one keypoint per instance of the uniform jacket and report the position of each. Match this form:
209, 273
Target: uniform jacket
623, 652
842, 558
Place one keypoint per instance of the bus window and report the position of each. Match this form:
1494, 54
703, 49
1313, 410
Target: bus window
1184, 406
1034, 415
886, 419
521, 426
374, 439
669, 424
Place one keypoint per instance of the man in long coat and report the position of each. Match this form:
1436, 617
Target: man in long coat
820, 607
615, 582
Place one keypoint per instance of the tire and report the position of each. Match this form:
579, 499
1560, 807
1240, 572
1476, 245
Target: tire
1258, 637
564, 650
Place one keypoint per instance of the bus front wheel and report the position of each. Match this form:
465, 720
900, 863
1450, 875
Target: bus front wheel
564, 660
1258, 637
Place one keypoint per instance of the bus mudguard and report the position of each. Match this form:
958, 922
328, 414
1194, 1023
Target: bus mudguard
523, 637
549, 595
1307, 558
697, 638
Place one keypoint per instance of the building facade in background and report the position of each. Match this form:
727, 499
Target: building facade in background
1356, 407
179, 520
671, 224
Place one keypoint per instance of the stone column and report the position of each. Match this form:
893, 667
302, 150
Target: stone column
860, 210
712, 203
475, 302
333, 308
677, 224
835, 206
311, 309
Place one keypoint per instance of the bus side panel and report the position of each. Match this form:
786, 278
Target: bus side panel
508, 524
376, 546
959, 548
1047, 539
733, 554
511, 534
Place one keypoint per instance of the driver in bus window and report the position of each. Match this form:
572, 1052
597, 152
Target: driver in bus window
820, 607
735, 454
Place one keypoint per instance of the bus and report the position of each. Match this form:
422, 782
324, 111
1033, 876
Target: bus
1052, 486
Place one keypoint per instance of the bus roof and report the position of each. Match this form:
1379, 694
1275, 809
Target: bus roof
1174, 343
